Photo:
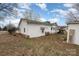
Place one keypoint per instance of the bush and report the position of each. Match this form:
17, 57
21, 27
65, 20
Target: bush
61, 31
28, 37
5, 28
47, 33
11, 28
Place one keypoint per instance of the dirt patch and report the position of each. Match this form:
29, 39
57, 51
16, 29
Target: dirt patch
52, 45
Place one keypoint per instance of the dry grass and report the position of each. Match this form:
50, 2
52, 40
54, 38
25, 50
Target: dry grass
52, 45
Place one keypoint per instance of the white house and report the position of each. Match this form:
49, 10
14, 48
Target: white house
35, 28
73, 32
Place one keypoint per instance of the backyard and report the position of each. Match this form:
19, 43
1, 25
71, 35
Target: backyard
52, 45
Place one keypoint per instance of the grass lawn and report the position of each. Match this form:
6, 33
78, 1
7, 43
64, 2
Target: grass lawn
52, 45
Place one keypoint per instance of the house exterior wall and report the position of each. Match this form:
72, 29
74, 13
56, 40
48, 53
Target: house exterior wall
34, 30
48, 29
75, 39
22, 26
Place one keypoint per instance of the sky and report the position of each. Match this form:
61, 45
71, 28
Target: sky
53, 12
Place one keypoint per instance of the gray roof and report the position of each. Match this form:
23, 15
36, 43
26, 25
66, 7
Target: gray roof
73, 22
37, 22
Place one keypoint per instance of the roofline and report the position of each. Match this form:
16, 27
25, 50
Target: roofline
37, 21
19, 22
72, 23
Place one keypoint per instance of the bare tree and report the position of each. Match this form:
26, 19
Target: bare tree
29, 14
73, 16
1, 17
76, 5
8, 9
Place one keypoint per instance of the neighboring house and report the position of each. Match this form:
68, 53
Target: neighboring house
35, 28
63, 28
73, 32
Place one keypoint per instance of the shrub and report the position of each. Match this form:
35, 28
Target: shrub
47, 33
28, 37
5, 28
11, 28
61, 31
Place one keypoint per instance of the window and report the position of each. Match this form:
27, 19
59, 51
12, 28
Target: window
51, 28
24, 29
42, 29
